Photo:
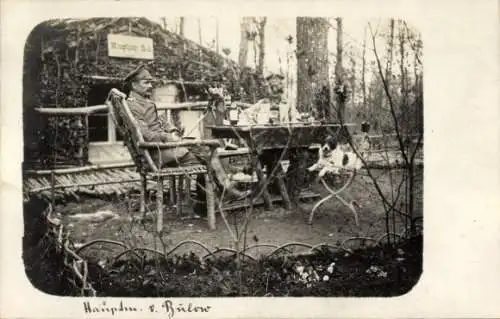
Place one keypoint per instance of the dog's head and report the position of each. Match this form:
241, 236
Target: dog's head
329, 145
333, 143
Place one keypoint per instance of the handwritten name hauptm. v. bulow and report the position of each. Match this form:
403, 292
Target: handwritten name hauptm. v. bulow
166, 307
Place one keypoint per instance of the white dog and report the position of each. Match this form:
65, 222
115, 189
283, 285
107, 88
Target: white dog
335, 157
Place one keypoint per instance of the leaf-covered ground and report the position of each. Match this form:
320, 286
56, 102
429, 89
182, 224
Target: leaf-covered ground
374, 271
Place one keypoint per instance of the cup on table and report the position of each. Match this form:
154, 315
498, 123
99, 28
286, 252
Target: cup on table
263, 117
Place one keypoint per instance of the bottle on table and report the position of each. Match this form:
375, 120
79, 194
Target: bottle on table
233, 114
274, 113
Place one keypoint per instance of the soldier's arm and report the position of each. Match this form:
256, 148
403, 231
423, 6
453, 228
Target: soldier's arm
294, 113
252, 112
148, 134
167, 125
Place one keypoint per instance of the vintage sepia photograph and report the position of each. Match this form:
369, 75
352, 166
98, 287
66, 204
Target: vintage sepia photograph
253, 156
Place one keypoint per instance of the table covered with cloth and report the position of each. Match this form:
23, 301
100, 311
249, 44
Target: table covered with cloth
271, 144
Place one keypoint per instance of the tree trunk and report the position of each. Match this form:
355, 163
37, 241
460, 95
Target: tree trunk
416, 61
339, 73
244, 29
404, 92
363, 72
262, 45
388, 69
181, 26
418, 88
353, 81
217, 44
312, 67
415, 73
403, 64
200, 39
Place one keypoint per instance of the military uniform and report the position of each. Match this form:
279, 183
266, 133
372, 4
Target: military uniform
156, 129
259, 112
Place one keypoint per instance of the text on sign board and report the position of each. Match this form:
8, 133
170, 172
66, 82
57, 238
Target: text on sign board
124, 46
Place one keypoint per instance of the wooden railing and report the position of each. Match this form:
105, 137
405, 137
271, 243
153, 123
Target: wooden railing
68, 145
62, 111
87, 110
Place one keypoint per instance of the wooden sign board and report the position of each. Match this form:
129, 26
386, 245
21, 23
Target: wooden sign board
124, 46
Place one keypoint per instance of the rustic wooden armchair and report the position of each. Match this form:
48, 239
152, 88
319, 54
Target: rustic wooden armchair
140, 152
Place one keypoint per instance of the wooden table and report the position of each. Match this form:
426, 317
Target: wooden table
270, 143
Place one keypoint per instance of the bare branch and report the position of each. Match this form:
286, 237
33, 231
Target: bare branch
415, 50
389, 97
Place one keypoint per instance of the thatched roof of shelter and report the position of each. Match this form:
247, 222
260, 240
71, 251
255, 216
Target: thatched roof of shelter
66, 61
70, 53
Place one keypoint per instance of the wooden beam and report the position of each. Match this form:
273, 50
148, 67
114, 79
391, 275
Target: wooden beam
166, 81
238, 152
304, 195
414, 135
63, 186
185, 82
182, 143
86, 110
77, 169
70, 110
181, 106
208, 66
103, 78
242, 104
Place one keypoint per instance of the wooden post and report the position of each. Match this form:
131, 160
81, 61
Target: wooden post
87, 139
159, 204
53, 188
111, 128
283, 190
260, 174
171, 189
209, 193
143, 195
178, 191
271, 160
187, 191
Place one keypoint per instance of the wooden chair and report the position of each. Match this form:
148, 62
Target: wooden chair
140, 152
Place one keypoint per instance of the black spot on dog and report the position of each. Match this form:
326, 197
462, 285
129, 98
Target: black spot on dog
345, 160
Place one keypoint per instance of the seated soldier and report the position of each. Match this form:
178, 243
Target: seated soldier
139, 83
259, 112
